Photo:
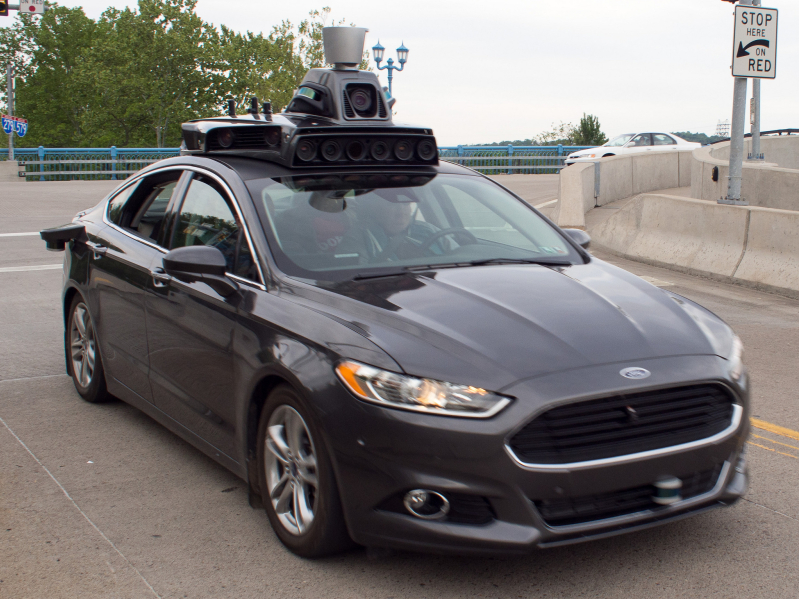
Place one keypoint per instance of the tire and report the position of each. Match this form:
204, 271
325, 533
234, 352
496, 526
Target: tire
83, 354
296, 479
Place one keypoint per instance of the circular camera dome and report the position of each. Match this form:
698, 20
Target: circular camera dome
272, 137
426, 150
403, 150
225, 138
356, 150
380, 150
306, 150
331, 150
361, 100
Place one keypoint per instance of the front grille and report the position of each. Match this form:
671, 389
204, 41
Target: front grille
463, 509
624, 424
579, 510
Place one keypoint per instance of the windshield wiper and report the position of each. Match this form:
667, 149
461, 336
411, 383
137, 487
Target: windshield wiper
542, 262
397, 272
408, 269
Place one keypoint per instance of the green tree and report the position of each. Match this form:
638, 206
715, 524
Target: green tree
133, 76
588, 132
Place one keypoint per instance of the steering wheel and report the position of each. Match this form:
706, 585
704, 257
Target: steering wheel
453, 231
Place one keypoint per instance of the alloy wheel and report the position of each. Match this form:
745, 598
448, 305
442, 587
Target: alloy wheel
83, 345
291, 470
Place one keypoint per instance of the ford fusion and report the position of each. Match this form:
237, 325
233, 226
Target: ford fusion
393, 351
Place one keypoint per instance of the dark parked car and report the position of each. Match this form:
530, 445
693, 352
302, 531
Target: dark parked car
393, 351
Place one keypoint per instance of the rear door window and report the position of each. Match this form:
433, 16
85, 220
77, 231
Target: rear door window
141, 209
661, 139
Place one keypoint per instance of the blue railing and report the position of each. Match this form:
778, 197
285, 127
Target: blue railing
63, 164
493, 160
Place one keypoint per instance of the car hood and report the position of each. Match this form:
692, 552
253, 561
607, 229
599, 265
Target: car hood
491, 326
586, 151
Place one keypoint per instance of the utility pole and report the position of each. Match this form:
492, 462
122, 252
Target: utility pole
737, 138
755, 113
10, 97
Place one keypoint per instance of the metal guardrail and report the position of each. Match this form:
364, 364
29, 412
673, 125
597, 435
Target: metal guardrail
772, 132
65, 164
494, 160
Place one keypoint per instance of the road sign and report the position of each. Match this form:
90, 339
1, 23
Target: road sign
13, 124
754, 47
31, 7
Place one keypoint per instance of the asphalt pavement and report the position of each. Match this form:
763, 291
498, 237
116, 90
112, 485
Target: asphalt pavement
99, 501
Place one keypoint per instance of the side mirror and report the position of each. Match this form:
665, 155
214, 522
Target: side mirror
579, 237
57, 239
200, 263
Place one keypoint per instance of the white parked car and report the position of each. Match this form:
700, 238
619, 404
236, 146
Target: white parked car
629, 143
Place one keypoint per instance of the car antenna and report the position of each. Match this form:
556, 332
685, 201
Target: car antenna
253, 109
267, 108
231, 108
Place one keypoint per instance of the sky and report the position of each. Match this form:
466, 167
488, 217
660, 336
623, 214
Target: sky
487, 71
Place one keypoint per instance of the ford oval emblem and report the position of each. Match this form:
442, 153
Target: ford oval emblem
635, 373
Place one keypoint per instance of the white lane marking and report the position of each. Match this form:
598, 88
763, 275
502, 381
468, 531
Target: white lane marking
34, 267
77, 507
19, 234
657, 282
32, 378
545, 204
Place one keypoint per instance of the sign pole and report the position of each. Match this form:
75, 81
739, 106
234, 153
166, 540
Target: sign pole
737, 138
10, 97
756, 155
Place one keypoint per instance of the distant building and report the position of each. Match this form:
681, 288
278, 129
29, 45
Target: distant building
723, 129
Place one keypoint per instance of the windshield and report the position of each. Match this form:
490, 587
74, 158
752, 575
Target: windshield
620, 140
337, 227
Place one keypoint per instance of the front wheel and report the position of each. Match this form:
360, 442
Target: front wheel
297, 484
83, 354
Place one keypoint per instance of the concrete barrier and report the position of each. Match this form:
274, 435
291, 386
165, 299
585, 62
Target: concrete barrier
755, 247
619, 177
8, 171
783, 150
763, 184
771, 260
694, 235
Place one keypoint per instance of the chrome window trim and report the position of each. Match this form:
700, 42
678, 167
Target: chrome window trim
260, 284
737, 417
644, 514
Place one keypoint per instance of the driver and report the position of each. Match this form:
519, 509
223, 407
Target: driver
392, 231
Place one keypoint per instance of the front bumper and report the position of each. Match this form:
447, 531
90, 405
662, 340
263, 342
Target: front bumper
380, 454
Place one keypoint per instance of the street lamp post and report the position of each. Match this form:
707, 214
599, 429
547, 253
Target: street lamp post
402, 56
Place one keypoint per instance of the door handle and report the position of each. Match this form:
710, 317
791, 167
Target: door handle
160, 278
97, 249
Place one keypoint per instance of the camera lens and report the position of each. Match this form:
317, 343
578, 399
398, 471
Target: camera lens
356, 150
403, 149
272, 137
380, 150
331, 150
306, 150
361, 100
426, 150
225, 138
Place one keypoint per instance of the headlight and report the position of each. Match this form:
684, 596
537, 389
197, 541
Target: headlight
393, 390
736, 358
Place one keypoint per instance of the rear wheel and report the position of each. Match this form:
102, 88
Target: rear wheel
84, 363
297, 484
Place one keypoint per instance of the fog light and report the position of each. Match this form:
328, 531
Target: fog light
425, 504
